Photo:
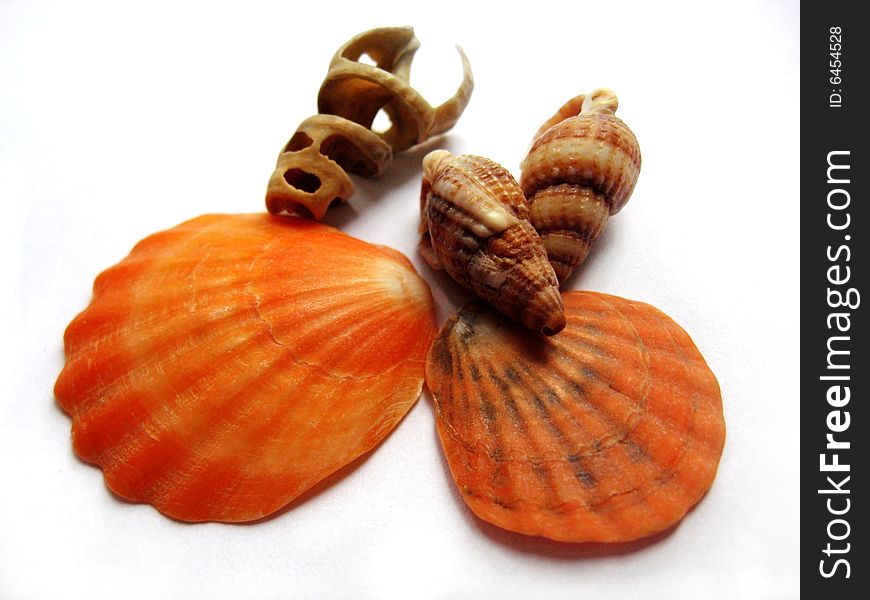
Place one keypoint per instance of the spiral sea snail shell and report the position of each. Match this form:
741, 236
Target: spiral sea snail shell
474, 225
311, 174
581, 168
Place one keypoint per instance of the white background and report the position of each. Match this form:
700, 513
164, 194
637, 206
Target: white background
118, 119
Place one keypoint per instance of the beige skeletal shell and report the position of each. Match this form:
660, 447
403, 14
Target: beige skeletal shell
581, 168
311, 174
475, 225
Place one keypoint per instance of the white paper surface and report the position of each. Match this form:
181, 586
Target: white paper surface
119, 119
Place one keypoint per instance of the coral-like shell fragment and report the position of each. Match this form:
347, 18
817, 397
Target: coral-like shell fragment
357, 91
610, 431
230, 363
312, 169
581, 168
311, 174
474, 225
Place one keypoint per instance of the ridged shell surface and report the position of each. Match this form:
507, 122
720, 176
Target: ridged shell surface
610, 431
594, 149
581, 168
474, 222
230, 363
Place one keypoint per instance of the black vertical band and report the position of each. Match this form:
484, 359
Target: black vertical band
835, 367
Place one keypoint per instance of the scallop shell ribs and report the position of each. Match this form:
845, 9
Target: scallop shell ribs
610, 431
229, 364
474, 225
581, 168
311, 174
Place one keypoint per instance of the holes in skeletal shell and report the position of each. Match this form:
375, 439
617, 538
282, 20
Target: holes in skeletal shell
300, 210
302, 180
347, 155
366, 59
299, 141
381, 122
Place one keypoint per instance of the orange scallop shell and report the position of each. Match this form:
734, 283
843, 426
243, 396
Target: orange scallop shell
229, 364
610, 431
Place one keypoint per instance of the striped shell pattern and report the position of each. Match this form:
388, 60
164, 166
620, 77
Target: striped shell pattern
582, 167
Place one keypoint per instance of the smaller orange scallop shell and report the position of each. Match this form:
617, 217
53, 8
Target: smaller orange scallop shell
229, 364
610, 431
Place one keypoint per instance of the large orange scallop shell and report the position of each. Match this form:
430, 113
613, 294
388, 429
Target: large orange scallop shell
610, 431
229, 364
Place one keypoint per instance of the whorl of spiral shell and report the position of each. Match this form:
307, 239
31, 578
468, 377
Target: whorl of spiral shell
474, 225
311, 174
581, 168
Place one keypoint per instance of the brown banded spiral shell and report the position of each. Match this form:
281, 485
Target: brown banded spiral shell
582, 167
474, 225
